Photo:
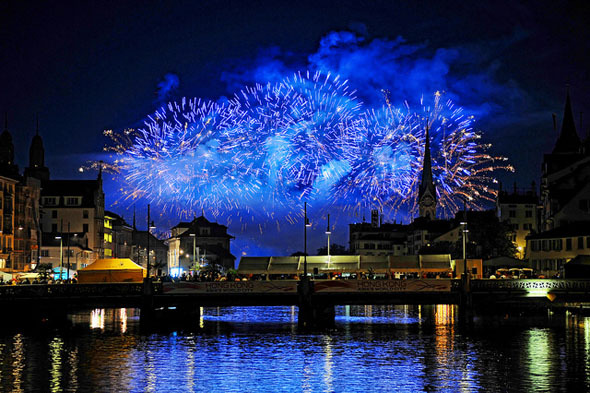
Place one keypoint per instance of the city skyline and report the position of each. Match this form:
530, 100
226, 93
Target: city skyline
84, 76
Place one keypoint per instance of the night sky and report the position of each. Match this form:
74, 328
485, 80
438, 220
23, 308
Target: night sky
89, 66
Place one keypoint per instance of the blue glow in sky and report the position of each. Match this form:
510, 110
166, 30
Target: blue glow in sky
86, 68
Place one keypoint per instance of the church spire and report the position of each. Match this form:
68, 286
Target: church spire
568, 141
427, 190
37, 168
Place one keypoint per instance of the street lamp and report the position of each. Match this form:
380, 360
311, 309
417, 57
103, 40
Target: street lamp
149, 226
68, 272
328, 232
307, 224
61, 256
179, 259
194, 236
464, 231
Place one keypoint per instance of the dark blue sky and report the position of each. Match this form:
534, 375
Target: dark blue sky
89, 66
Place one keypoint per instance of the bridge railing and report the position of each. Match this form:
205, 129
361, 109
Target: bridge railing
74, 290
530, 285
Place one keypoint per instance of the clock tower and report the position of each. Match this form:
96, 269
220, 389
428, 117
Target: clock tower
427, 190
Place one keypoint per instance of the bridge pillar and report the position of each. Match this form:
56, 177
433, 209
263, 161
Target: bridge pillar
312, 313
147, 303
465, 300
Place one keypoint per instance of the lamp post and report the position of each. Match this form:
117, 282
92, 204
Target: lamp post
307, 224
465, 230
68, 272
464, 236
61, 255
61, 258
328, 232
194, 236
178, 260
148, 240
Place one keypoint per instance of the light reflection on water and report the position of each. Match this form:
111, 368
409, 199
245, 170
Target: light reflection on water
372, 348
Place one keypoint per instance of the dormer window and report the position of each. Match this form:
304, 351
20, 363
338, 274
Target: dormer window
73, 201
50, 201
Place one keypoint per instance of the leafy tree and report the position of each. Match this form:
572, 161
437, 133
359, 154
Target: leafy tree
44, 270
299, 254
335, 249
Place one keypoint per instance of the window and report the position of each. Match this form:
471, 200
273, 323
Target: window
557, 244
204, 231
108, 238
84, 213
108, 252
528, 213
72, 201
512, 213
54, 214
568, 244
84, 228
107, 223
45, 253
53, 227
49, 201
580, 243
588, 242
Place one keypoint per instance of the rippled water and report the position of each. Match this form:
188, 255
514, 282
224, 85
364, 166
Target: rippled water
376, 349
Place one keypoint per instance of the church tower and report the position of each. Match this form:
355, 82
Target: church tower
37, 168
427, 191
7, 165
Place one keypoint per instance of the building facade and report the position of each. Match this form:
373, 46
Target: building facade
520, 210
199, 244
75, 206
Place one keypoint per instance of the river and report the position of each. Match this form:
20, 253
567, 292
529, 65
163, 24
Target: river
259, 349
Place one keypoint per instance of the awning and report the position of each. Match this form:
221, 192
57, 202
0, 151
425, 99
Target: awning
284, 265
377, 264
435, 263
404, 264
253, 265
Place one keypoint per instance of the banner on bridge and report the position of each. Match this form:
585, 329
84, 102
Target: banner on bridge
189, 287
234, 287
383, 286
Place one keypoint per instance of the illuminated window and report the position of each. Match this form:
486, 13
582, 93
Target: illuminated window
108, 252
107, 223
108, 237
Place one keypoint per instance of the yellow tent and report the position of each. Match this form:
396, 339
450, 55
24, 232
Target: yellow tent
112, 270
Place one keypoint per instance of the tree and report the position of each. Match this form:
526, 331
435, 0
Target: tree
488, 237
44, 270
335, 249
299, 254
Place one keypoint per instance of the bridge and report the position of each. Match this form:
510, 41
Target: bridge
315, 301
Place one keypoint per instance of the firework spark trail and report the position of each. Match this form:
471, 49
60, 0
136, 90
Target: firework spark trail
304, 138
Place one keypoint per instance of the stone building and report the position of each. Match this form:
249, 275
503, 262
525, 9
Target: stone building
204, 242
